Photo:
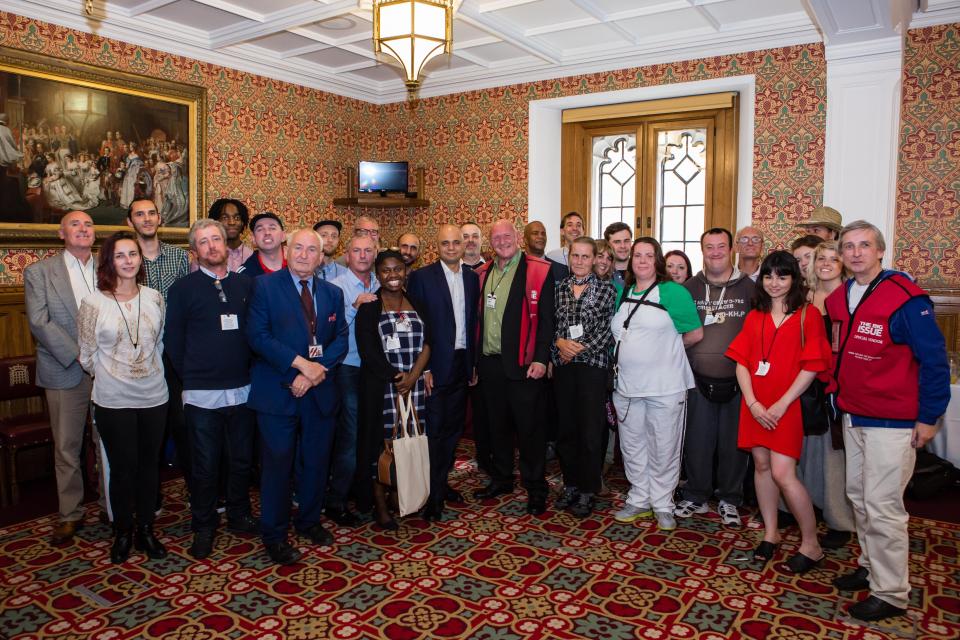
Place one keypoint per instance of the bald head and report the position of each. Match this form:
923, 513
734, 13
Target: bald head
77, 232
503, 239
450, 245
535, 238
409, 245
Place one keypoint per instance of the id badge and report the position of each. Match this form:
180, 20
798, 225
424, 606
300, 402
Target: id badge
404, 326
393, 343
709, 319
229, 322
763, 368
491, 301
576, 331
721, 317
315, 351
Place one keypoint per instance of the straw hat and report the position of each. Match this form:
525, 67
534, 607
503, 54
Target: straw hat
825, 217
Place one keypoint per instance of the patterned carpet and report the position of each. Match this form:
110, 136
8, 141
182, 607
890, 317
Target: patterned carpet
488, 572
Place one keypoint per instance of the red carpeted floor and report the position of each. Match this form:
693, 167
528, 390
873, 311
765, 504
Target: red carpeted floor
489, 571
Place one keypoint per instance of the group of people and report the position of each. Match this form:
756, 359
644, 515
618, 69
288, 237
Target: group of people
319, 355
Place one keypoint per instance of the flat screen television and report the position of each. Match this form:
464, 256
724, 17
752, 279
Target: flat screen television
382, 177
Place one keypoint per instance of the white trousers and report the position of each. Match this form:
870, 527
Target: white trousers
651, 438
879, 464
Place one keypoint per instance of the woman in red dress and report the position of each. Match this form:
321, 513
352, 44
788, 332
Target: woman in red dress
773, 369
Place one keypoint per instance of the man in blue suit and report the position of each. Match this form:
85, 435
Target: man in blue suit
296, 328
447, 295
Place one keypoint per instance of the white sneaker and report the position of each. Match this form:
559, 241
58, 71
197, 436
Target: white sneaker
665, 521
729, 514
629, 513
687, 508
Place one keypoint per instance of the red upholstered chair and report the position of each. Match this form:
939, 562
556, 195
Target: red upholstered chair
23, 429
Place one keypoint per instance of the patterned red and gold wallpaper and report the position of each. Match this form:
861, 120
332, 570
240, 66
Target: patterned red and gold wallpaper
928, 211
284, 147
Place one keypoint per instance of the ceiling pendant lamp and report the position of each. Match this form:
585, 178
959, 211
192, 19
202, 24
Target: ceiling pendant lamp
413, 32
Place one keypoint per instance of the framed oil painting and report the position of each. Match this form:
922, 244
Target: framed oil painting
75, 136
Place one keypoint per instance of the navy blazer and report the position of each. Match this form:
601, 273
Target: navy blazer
277, 332
427, 288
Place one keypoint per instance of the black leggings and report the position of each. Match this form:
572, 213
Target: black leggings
132, 438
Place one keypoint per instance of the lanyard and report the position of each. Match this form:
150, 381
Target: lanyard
719, 300
83, 273
503, 274
776, 330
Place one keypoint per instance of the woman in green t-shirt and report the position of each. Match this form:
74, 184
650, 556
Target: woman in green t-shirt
656, 321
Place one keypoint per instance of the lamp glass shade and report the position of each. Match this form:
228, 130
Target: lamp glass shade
413, 32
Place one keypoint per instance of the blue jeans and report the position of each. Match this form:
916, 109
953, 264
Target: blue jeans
212, 433
343, 460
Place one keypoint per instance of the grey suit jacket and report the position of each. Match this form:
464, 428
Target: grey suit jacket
52, 315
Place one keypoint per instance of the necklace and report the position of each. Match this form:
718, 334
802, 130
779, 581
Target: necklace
134, 341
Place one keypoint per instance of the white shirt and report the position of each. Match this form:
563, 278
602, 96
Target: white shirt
560, 255
653, 361
455, 284
124, 376
856, 294
83, 277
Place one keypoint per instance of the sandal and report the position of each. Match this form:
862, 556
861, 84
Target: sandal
801, 564
765, 551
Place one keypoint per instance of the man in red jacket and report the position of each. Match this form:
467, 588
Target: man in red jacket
514, 334
893, 385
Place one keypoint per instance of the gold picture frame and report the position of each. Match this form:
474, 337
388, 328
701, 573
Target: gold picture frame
62, 116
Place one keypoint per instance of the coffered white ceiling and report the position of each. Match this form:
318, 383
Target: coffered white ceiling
326, 44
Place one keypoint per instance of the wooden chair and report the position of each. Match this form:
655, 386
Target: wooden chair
23, 428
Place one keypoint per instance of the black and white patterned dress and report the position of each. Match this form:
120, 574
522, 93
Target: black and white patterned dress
411, 343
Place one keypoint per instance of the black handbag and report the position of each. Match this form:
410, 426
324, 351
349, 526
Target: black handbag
813, 401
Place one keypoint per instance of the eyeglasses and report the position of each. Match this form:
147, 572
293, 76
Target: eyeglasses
220, 293
366, 232
750, 240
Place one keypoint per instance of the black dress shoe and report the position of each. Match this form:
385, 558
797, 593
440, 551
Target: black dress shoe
873, 608
800, 563
452, 495
432, 512
202, 545
122, 543
583, 507
834, 539
245, 525
343, 517
146, 541
492, 491
318, 535
282, 553
855, 581
536, 506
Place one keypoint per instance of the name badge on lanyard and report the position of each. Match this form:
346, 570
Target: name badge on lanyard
491, 301
393, 343
576, 331
229, 322
763, 368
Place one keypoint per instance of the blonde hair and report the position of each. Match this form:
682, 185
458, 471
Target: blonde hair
811, 275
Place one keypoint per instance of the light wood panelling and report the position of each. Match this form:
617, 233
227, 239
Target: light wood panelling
15, 338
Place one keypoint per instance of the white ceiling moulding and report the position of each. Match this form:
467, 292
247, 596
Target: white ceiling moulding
151, 33
295, 16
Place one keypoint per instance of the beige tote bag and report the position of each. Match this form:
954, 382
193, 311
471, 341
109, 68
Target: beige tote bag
411, 457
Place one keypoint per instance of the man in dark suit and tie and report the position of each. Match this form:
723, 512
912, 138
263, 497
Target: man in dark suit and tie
447, 295
296, 328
